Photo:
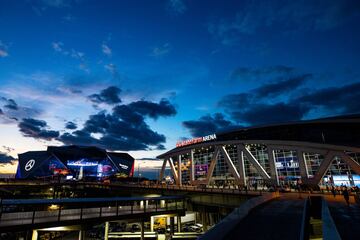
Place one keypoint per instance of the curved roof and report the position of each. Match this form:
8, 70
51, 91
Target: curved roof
339, 130
32, 160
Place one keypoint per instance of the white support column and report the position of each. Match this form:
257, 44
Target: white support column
302, 164
231, 165
179, 171
152, 219
324, 166
162, 172
272, 164
106, 235
255, 163
212, 165
173, 170
241, 163
192, 166
351, 162
34, 235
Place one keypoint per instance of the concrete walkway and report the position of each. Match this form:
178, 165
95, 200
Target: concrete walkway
346, 218
278, 219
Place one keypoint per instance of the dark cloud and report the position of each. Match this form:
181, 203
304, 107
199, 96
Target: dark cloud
124, 128
1, 112
10, 104
37, 129
70, 125
153, 110
286, 99
344, 99
269, 113
245, 72
4, 158
281, 87
109, 95
208, 124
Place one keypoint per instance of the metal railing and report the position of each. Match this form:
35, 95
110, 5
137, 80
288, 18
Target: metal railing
36, 211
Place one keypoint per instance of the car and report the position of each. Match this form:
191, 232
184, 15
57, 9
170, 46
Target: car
196, 227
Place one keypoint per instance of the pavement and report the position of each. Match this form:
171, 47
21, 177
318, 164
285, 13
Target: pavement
346, 218
277, 219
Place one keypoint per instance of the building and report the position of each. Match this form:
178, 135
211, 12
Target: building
315, 152
74, 162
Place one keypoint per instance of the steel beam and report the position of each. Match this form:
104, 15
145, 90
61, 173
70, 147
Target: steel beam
231, 165
192, 166
272, 164
212, 165
255, 163
173, 170
302, 164
162, 171
351, 162
324, 166
241, 163
179, 171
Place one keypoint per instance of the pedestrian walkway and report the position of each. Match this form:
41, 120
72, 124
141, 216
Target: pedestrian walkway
346, 218
278, 219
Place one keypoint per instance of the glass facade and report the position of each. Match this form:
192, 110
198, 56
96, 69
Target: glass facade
286, 166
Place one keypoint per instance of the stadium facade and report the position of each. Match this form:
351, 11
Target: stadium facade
315, 152
74, 162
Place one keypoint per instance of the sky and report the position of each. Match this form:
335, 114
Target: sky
138, 76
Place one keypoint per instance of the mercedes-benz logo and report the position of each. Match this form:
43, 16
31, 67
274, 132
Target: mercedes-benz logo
29, 165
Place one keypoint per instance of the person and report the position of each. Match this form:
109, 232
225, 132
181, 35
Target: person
345, 193
333, 191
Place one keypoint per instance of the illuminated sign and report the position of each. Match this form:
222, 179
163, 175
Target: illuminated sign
82, 162
123, 166
201, 169
29, 165
196, 140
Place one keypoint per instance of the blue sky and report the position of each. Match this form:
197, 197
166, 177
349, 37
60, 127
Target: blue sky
154, 72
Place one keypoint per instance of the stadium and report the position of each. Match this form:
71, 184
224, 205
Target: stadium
323, 152
74, 162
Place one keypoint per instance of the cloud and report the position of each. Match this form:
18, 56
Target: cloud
269, 113
281, 87
283, 17
208, 124
161, 50
245, 73
106, 50
154, 110
11, 111
3, 50
37, 129
6, 159
122, 129
287, 98
10, 104
80, 56
176, 7
109, 95
344, 99
271, 102
111, 68
70, 125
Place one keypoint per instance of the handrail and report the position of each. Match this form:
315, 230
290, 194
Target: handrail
329, 229
305, 226
83, 200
